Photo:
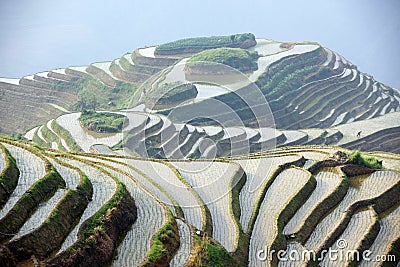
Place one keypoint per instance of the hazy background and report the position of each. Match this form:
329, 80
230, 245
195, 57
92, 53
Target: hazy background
42, 35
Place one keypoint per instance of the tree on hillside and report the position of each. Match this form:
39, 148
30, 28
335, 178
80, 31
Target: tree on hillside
81, 104
93, 102
86, 100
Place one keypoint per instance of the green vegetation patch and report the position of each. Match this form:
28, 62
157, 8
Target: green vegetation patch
95, 223
58, 107
165, 243
39, 141
8, 177
243, 40
102, 122
52, 137
211, 253
237, 58
59, 224
98, 236
169, 94
93, 94
371, 162
41, 191
62, 132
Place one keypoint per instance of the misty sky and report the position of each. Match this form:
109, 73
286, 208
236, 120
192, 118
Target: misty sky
41, 35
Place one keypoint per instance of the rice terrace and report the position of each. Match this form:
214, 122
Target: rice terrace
204, 151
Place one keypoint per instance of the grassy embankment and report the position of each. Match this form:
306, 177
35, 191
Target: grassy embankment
236, 58
102, 122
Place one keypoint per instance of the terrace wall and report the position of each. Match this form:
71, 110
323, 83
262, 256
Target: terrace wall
153, 61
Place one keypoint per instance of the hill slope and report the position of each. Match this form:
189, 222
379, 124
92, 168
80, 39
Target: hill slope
182, 218
298, 88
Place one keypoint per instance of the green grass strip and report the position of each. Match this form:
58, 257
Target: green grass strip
52, 137
59, 107
59, 224
39, 141
205, 42
106, 227
164, 244
41, 191
8, 177
61, 131
209, 253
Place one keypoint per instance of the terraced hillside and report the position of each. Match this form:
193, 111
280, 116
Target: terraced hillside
127, 211
307, 87
40, 97
212, 167
156, 136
